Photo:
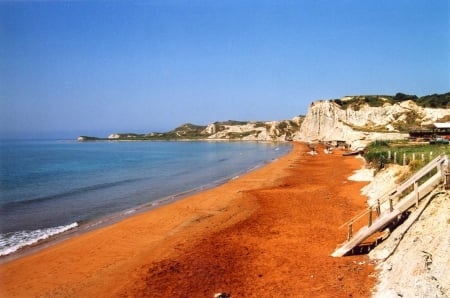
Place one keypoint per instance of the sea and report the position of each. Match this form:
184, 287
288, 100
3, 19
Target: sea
49, 187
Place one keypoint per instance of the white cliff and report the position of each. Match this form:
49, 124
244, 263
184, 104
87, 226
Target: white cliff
114, 136
328, 121
254, 131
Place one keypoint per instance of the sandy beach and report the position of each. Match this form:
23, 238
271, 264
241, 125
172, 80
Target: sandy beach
269, 233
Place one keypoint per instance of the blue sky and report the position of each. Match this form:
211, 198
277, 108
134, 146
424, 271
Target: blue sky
95, 67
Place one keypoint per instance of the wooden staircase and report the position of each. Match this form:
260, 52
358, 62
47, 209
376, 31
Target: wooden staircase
393, 204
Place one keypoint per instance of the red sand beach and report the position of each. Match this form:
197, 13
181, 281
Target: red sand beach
269, 233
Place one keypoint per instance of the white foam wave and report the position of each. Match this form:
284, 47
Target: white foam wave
11, 242
129, 211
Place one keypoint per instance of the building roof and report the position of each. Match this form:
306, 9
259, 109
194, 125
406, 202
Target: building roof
442, 125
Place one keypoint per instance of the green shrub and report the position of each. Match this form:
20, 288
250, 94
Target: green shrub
402, 97
435, 101
379, 143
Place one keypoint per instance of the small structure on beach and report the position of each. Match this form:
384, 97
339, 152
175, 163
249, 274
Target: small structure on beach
440, 130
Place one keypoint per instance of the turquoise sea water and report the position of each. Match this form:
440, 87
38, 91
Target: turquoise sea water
47, 187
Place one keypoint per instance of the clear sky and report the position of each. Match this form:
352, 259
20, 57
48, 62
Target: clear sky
95, 67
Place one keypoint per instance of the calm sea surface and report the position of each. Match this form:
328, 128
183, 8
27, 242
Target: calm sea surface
48, 187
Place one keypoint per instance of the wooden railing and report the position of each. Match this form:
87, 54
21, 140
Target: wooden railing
394, 203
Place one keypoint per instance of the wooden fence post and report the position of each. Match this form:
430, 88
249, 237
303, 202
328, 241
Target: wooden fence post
416, 192
446, 171
395, 157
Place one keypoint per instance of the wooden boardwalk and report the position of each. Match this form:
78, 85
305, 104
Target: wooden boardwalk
392, 205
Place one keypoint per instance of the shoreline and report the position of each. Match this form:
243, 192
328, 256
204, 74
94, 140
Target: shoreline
107, 217
116, 217
94, 263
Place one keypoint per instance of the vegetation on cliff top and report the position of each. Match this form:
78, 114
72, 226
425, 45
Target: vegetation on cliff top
185, 131
428, 101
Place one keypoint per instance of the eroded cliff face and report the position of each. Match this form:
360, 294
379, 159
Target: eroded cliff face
328, 121
255, 131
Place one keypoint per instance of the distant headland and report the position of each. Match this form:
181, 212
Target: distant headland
353, 119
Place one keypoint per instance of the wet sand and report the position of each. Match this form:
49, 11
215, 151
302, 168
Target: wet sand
269, 233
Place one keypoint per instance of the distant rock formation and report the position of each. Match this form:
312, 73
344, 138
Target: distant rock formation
254, 130
114, 136
355, 120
